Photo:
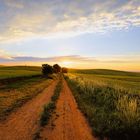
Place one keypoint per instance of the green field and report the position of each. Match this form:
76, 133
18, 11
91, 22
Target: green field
104, 72
21, 83
110, 100
121, 79
18, 71
15, 94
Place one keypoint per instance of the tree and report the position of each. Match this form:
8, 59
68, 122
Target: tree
64, 70
56, 68
47, 69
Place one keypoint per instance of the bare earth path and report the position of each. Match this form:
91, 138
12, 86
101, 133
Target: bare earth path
22, 124
68, 123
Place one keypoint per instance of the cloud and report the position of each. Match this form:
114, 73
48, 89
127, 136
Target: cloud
4, 56
14, 4
72, 58
126, 62
24, 19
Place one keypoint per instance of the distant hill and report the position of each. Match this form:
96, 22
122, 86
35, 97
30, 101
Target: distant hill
104, 72
32, 68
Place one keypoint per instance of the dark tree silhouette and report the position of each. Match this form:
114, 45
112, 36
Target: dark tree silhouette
47, 69
64, 70
56, 68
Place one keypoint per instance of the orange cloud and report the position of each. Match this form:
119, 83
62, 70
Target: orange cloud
75, 61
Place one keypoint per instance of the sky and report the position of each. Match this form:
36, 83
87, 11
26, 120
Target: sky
103, 34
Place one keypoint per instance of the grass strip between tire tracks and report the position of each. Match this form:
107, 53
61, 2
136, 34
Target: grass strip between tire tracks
50, 107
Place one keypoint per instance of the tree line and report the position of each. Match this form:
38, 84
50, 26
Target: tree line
48, 69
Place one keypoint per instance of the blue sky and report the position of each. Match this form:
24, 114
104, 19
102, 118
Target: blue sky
104, 34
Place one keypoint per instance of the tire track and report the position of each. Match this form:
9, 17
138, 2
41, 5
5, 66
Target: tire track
22, 124
70, 123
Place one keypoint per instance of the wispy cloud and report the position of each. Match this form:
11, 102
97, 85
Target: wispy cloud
14, 4
71, 58
24, 19
128, 62
4, 56
74, 58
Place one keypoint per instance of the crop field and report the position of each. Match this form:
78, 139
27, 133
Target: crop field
21, 84
18, 71
110, 100
15, 94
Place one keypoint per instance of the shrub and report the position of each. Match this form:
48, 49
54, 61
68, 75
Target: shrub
56, 68
47, 69
64, 70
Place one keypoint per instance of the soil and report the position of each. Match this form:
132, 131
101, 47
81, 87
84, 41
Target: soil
67, 123
22, 124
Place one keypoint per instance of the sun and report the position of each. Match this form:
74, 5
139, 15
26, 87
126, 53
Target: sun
66, 63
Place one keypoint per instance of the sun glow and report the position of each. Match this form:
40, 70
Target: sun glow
66, 63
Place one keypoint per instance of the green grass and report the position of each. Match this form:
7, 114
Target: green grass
18, 71
29, 68
128, 80
131, 83
47, 112
50, 107
111, 102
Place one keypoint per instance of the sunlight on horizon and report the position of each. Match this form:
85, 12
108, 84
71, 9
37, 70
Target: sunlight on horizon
66, 63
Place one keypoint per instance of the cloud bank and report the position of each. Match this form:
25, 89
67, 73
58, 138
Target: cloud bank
71, 58
21, 19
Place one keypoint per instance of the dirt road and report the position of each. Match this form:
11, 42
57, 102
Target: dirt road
22, 124
67, 123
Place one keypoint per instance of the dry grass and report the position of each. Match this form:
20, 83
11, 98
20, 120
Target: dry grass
128, 109
19, 93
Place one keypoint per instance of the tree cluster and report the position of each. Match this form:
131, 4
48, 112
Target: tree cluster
48, 69
64, 70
